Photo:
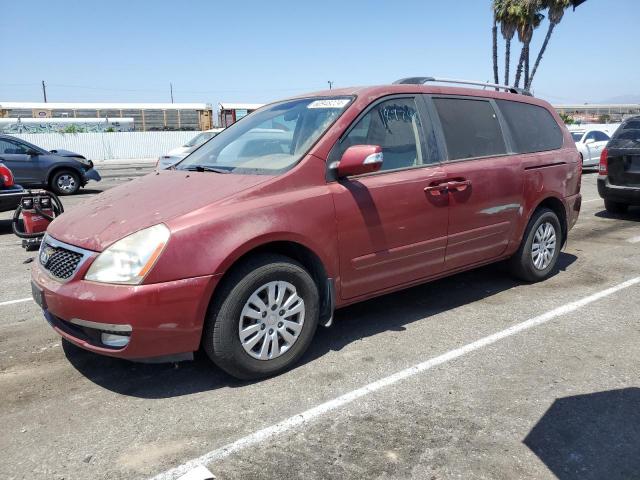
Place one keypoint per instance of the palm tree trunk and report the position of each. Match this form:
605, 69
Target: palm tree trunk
507, 60
519, 69
543, 48
526, 66
495, 51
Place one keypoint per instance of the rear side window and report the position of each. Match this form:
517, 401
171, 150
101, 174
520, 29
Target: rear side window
532, 127
471, 128
627, 136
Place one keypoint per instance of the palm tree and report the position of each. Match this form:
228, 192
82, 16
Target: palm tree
504, 14
556, 10
529, 18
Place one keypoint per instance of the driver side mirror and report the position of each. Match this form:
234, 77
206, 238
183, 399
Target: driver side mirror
360, 159
588, 141
31, 152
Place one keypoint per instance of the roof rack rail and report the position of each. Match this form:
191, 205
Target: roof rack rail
421, 80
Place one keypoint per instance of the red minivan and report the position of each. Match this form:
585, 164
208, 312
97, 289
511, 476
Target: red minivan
305, 206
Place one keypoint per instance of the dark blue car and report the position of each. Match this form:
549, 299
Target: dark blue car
61, 171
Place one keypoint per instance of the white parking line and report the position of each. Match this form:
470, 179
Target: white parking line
592, 200
634, 239
302, 418
11, 302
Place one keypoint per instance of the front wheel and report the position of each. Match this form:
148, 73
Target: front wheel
263, 319
540, 247
65, 182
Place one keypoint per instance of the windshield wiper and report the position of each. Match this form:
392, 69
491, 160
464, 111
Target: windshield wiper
205, 168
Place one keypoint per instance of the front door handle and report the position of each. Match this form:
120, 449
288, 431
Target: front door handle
437, 190
458, 185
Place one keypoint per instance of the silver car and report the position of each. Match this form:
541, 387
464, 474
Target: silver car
174, 156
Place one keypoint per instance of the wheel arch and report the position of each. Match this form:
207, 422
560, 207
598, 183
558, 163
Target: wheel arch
57, 168
297, 251
556, 205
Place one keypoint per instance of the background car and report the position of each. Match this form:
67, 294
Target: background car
10, 193
590, 144
62, 171
619, 170
172, 157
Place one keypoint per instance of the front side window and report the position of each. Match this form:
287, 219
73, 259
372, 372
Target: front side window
600, 136
270, 140
532, 127
395, 126
471, 128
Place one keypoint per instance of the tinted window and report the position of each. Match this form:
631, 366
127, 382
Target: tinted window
532, 127
12, 148
395, 126
627, 136
471, 128
601, 137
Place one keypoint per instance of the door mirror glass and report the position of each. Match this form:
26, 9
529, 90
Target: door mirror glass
589, 140
359, 159
32, 152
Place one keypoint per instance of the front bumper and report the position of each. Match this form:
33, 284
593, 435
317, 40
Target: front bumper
92, 174
162, 319
572, 205
618, 193
10, 198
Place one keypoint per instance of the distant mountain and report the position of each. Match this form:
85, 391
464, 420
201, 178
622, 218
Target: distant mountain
622, 99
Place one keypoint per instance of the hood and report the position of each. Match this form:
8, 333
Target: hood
144, 202
66, 153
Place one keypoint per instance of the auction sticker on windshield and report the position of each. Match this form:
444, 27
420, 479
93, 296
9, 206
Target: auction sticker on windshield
329, 103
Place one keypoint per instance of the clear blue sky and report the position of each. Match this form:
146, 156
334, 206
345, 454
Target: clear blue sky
258, 51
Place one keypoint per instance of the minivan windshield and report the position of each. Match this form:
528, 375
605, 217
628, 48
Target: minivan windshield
269, 140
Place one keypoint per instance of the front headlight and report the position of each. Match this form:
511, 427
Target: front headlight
128, 260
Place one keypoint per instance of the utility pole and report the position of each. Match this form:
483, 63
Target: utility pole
44, 91
171, 91
330, 84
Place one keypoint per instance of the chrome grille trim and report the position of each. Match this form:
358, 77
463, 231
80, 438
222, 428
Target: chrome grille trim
49, 241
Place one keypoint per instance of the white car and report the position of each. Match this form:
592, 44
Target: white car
174, 156
590, 144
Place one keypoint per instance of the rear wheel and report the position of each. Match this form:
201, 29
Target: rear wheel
540, 247
615, 207
65, 182
263, 319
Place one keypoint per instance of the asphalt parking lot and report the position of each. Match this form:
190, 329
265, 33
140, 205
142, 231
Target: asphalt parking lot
498, 379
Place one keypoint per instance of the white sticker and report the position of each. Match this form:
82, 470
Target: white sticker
329, 103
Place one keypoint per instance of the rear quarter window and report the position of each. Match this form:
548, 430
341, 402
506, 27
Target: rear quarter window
533, 128
627, 136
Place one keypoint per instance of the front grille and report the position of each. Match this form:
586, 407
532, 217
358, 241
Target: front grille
59, 262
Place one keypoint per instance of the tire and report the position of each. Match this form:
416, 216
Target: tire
615, 207
221, 336
523, 264
65, 182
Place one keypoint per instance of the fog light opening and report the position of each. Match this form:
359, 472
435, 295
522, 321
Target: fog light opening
114, 340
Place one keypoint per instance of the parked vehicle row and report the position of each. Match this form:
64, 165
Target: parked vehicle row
62, 171
307, 205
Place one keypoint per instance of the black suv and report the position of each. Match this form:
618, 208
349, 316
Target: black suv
619, 171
